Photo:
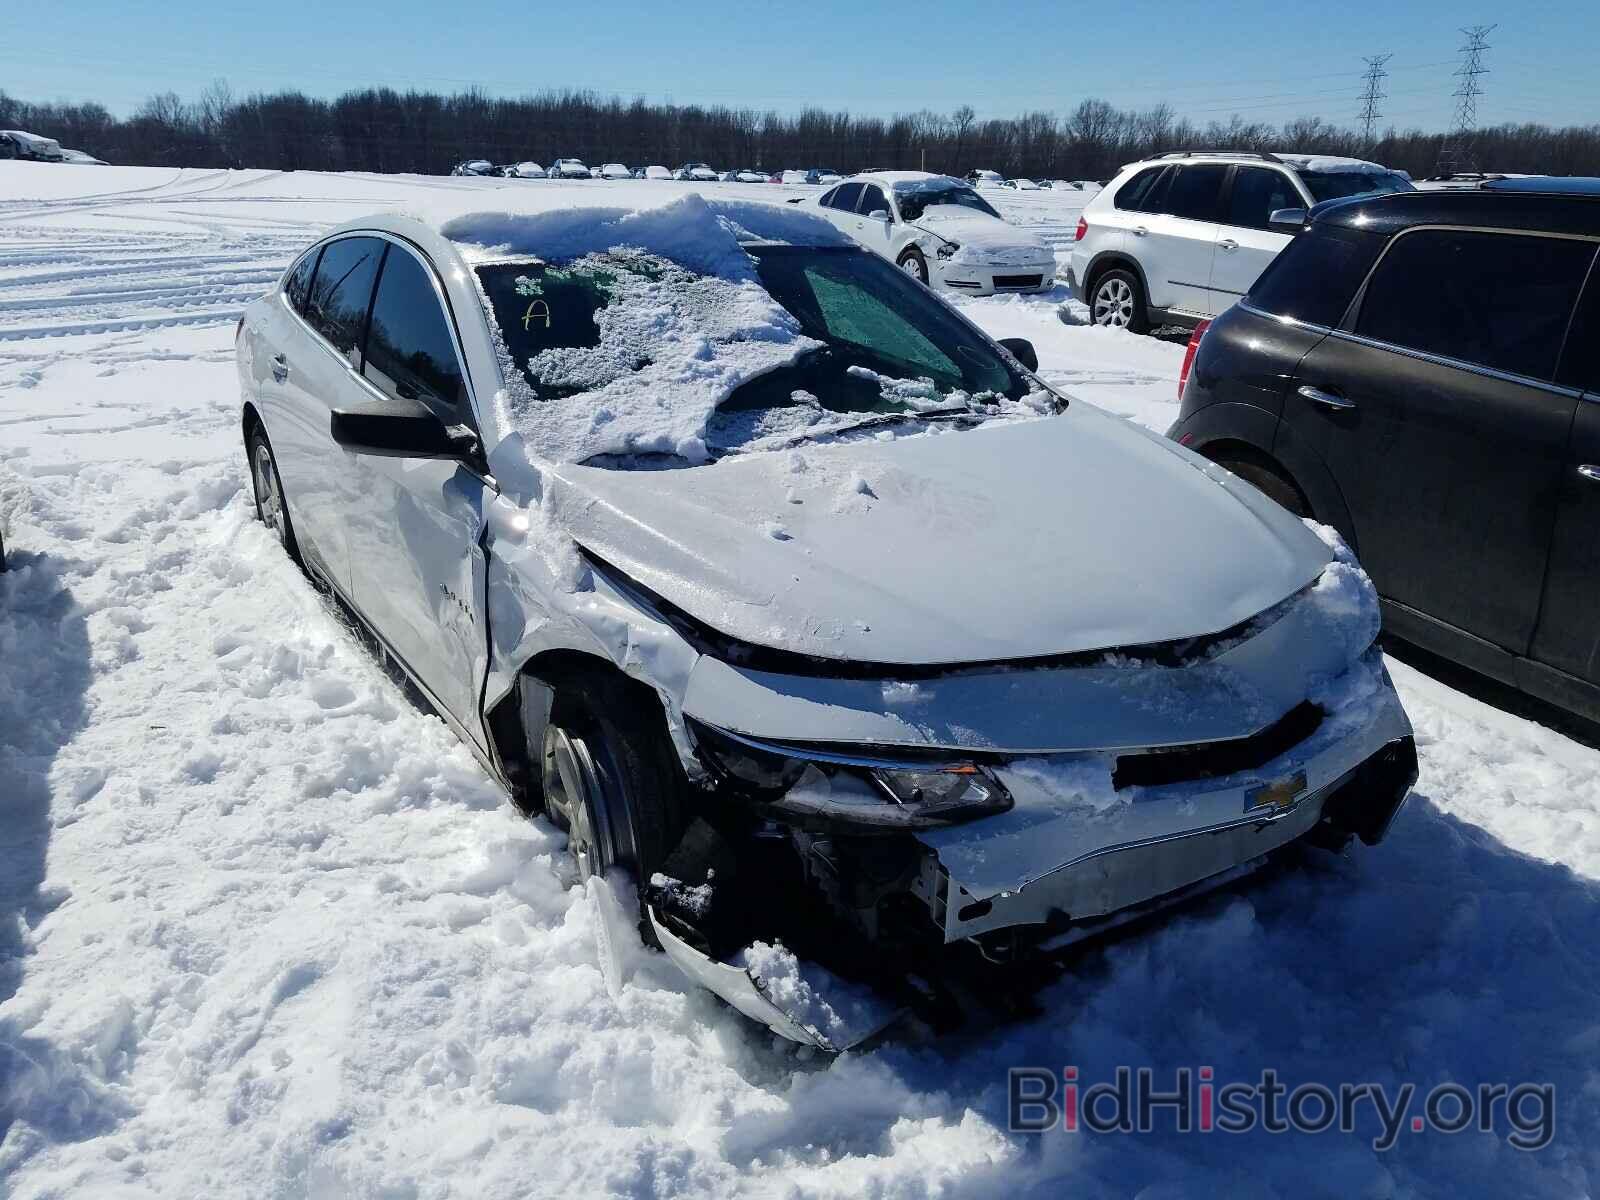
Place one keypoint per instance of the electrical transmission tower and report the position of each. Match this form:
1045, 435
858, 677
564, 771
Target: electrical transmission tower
1456, 153
1369, 99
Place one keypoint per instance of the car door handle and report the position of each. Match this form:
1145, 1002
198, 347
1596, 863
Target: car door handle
1326, 399
1590, 472
1139, 231
280, 368
1228, 244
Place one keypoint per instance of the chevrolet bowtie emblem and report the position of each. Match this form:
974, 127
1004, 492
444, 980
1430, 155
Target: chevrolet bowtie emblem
1278, 796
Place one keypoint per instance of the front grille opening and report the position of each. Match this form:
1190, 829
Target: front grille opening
1208, 760
1017, 281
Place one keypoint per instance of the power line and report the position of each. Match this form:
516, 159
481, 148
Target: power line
1457, 151
1369, 99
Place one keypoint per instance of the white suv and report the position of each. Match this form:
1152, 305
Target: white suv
1177, 239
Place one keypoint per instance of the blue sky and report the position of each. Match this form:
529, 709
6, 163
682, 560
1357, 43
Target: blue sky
1270, 60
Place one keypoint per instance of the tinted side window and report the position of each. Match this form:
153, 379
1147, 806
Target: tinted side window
1195, 191
410, 354
1316, 276
1131, 195
846, 196
1580, 365
1257, 193
298, 285
341, 292
872, 199
1499, 300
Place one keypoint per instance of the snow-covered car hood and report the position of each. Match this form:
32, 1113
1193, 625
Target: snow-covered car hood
982, 239
1017, 539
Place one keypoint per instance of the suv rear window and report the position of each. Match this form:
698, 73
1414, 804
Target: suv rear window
1317, 275
1495, 299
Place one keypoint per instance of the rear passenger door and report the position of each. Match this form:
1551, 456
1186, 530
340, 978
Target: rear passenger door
1437, 412
1568, 636
1175, 241
313, 367
1245, 244
416, 561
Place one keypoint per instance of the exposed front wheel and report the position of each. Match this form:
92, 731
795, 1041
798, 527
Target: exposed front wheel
611, 779
1117, 301
914, 264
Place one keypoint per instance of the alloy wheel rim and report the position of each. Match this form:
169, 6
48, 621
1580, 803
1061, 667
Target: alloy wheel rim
269, 497
1113, 303
914, 269
577, 799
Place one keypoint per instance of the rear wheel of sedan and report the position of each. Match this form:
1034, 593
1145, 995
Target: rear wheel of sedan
914, 264
1117, 301
272, 510
612, 780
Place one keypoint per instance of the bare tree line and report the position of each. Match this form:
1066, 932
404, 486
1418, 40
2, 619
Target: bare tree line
378, 129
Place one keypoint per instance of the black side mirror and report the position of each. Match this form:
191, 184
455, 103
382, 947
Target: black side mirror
1287, 220
410, 431
1022, 350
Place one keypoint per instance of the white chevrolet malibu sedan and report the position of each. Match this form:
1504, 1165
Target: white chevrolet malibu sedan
939, 230
799, 603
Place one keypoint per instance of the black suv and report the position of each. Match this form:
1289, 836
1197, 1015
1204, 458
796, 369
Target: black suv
1422, 372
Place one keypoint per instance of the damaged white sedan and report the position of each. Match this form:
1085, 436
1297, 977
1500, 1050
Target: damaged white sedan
790, 595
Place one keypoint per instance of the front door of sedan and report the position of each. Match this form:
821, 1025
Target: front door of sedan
1438, 417
309, 369
415, 531
1246, 245
874, 225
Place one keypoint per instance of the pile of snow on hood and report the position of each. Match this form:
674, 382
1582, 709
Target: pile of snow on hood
700, 331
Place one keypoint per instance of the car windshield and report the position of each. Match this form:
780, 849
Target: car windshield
1337, 185
917, 198
879, 348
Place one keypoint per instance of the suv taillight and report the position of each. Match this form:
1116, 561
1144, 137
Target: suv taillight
1083, 229
1188, 355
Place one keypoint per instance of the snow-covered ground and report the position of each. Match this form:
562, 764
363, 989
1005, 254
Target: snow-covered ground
266, 930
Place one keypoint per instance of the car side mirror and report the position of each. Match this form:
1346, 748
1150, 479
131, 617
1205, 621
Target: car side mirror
880, 214
1287, 220
409, 431
1022, 350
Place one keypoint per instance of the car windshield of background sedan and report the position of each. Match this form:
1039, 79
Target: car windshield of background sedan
873, 347
918, 196
1337, 185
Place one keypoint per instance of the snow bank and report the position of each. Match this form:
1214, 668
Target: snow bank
14, 497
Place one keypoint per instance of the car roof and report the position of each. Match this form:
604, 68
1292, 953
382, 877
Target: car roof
1484, 208
1551, 185
1295, 162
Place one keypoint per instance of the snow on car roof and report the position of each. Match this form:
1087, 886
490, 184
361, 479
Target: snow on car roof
696, 343
1330, 162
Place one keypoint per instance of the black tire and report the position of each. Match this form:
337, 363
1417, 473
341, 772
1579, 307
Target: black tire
1270, 483
621, 727
913, 264
275, 518
1117, 300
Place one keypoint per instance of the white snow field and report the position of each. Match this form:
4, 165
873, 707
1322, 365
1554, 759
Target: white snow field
266, 929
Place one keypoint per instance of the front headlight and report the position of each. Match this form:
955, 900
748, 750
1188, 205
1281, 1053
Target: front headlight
947, 249
837, 788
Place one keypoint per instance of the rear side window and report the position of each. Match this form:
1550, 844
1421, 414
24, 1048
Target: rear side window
298, 285
1580, 365
1132, 195
1316, 276
341, 292
1499, 300
1195, 191
1257, 193
410, 353
846, 195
